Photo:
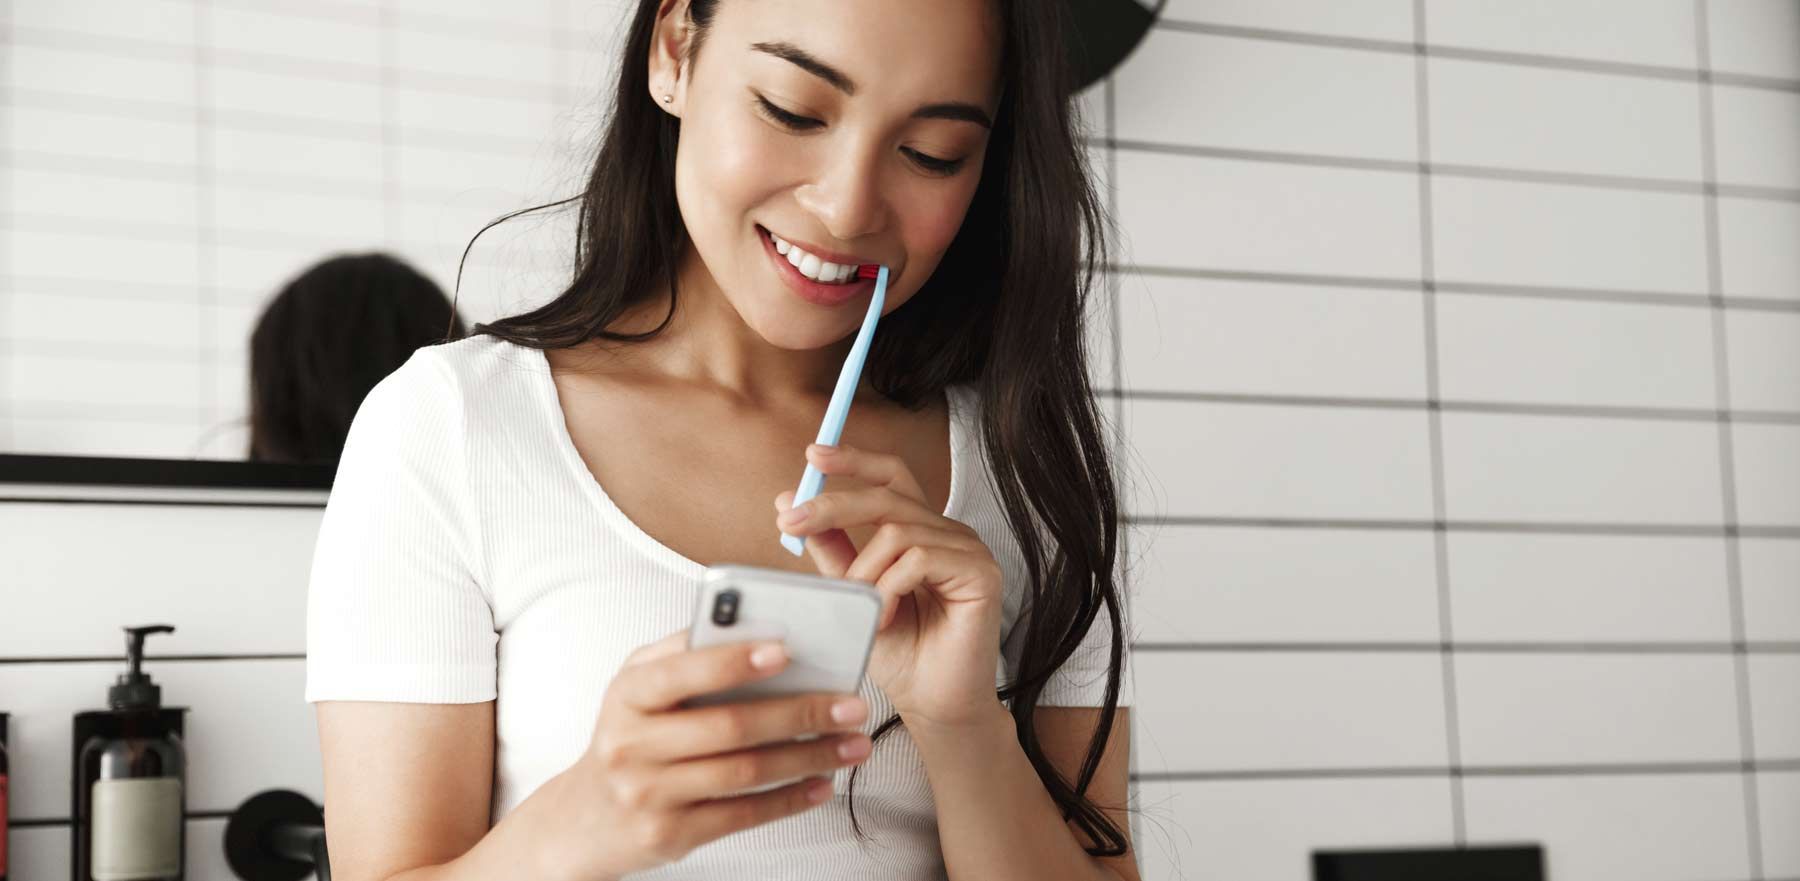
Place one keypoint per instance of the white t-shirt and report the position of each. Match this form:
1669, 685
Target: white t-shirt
467, 554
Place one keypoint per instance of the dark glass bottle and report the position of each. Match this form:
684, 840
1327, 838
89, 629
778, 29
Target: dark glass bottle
130, 800
3, 815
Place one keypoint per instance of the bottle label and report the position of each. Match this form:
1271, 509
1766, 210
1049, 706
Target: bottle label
137, 829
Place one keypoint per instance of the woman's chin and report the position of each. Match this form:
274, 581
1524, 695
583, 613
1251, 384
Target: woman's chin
798, 332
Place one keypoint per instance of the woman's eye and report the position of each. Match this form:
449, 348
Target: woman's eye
793, 121
796, 122
933, 164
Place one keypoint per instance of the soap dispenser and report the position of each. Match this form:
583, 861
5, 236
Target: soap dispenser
130, 799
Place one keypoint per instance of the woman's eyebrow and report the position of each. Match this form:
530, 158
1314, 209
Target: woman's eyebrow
955, 110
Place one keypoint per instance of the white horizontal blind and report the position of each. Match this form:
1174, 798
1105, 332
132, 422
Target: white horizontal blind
167, 165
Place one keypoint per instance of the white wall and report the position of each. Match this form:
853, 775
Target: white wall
1460, 349
230, 574
1463, 385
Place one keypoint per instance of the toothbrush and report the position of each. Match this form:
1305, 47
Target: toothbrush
839, 408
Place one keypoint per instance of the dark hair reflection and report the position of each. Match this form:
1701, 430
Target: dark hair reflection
325, 340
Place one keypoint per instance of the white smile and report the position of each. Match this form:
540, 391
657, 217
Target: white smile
812, 267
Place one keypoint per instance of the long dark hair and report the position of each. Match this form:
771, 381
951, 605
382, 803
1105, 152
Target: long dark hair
1004, 310
325, 339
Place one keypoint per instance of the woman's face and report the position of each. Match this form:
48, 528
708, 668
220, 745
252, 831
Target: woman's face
856, 126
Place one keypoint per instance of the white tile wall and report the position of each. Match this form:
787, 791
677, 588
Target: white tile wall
1324, 360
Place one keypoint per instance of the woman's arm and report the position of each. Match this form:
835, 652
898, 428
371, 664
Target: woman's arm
407, 789
995, 819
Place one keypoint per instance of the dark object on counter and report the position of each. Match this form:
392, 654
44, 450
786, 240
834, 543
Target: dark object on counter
2, 797
277, 835
1518, 862
130, 780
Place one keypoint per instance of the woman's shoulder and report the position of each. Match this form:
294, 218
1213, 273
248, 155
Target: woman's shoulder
474, 361
474, 374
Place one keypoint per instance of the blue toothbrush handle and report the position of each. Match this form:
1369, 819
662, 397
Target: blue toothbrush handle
810, 484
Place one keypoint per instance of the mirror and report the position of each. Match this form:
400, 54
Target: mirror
210, 201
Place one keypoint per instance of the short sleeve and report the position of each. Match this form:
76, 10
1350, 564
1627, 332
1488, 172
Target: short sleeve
395, 608
1081, 680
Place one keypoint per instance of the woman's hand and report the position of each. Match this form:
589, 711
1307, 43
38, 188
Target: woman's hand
658, 780
939, 644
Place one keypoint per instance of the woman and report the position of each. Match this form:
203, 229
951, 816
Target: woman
520, 519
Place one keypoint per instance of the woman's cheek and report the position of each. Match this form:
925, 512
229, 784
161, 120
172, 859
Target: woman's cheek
743, 159
936, 221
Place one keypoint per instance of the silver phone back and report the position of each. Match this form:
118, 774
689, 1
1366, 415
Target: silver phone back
827, 624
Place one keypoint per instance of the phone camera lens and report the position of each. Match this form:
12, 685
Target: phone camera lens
725, 607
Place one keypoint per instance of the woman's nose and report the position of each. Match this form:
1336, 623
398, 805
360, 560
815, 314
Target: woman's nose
847, 197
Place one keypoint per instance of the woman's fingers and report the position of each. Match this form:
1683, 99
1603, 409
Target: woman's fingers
876, 469
673, 644
720, 817
662, 682
947, 570
702, 731
893, 539
732, 773
842, 509
831, 550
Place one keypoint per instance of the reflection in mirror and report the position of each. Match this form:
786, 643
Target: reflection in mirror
327, 338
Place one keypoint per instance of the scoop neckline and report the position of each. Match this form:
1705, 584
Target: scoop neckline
662, 553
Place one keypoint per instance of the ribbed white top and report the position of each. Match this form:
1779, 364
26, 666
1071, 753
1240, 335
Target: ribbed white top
467, 554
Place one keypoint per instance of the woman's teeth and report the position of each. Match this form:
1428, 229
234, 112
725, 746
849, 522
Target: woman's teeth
812, 267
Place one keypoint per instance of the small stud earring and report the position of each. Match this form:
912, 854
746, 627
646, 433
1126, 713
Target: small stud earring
667, 97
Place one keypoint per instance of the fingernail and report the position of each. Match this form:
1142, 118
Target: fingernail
819, 791
822, 449
854, 748
848, 710
796, 515
767, 656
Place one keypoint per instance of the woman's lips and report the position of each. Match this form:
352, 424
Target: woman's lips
807, 289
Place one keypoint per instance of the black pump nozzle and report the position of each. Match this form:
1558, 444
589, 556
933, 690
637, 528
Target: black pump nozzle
134, 690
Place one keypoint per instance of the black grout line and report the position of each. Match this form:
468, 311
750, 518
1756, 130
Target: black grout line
1693, 530
1727, 467
184, 503
1491, 289
1513, 408
1482, 172
119, 659
1435, 428
53, 822
1525, 647
1433, 771
1493, 56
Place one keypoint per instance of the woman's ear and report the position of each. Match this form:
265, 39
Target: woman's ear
668, 50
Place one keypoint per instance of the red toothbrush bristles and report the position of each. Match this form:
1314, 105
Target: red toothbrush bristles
868, 270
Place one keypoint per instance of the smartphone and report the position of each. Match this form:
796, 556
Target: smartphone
827, 624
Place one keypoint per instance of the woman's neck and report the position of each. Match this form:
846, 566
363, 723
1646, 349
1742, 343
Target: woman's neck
708, 345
